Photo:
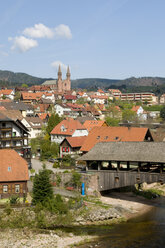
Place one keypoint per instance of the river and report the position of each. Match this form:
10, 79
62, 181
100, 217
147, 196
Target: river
146, 231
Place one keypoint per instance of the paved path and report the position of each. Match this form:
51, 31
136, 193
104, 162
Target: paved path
37, 165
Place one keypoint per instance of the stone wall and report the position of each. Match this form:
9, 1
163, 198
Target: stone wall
90, 180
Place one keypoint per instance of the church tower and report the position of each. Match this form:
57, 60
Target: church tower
68, 73
59, 80
59, 73
63, 85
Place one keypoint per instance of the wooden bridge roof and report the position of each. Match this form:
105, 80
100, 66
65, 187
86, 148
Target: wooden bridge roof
127, 151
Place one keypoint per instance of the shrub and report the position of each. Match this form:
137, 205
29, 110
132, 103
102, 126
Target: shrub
76, 179
56, 165
14, 199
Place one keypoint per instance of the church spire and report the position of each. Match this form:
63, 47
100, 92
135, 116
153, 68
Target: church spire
59, 72
68, 73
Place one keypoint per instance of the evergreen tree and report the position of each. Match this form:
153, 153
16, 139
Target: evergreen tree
162, 113
52, 122
42, 188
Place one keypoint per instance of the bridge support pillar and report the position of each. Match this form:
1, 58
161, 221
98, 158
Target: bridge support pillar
128, 165
139, 166
99, 165
118, 165
87, 165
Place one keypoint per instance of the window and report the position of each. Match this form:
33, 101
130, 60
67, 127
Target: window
98, 137
9, 168
3, 124
17, 188
14, 134
65, 149
5, 188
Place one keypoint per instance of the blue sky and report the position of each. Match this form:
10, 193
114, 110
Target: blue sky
113, 39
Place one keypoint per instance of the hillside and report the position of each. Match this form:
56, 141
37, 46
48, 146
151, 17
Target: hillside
19, 78
151, 84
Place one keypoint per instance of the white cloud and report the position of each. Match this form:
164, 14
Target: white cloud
22, 43
39, 31
63, 31
56, 64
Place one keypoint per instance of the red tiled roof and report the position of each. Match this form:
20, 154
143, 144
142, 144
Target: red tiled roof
69, 127
18, 170
135, 108
43, 107
6, 91
42, 116
76, 141
89, 124
70, 97
107, 134
31, 96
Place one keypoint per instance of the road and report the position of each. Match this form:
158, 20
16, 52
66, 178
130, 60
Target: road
37, 165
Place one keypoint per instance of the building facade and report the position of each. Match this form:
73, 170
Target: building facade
14, 135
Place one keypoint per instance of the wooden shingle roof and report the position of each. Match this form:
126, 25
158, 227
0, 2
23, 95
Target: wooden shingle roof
127, 151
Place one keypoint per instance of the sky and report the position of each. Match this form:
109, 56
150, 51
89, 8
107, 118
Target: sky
113, 39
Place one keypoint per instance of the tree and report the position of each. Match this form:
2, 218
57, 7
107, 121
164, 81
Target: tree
112, 121
17, 96
162, 113
24, 86
52, 122
128, 115
42, 188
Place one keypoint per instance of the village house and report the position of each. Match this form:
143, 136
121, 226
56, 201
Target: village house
89, 124
69, 98
14, 174
34, 126
67, 128
71, 146
114, 93
49, 96
116, 134
13, 134
60, 109
40, 88
25, 109
141, 114
99, 99
30, 97
44, 117
7, 93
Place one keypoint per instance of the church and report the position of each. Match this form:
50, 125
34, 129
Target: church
59, 84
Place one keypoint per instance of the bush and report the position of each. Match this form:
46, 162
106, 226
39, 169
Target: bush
14, 199
56, 165
76, 179
68, 160
56, 205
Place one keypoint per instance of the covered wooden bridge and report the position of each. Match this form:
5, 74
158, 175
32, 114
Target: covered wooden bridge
121, 164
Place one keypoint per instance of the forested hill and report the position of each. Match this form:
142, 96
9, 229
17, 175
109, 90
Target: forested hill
152, 84
89, 83
12, 78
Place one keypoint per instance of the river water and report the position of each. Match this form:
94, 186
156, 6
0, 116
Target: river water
146, 231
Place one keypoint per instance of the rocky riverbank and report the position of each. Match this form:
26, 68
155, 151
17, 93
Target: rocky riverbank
103, 212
